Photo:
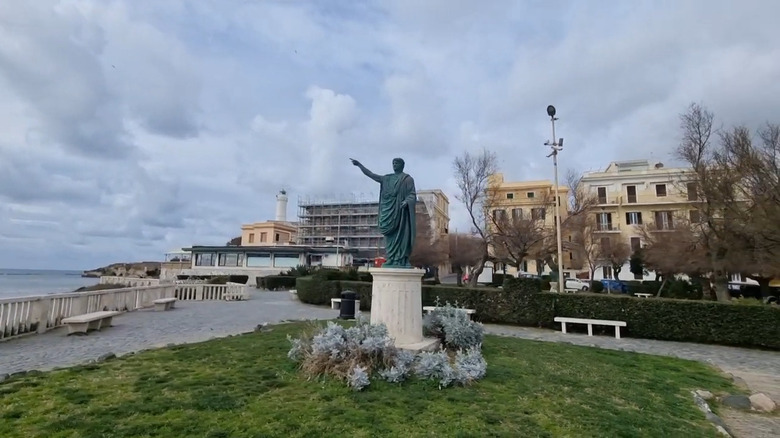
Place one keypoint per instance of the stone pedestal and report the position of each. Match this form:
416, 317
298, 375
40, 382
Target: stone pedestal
396, 301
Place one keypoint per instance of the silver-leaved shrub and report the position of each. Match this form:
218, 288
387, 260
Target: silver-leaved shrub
453, 327
358, 378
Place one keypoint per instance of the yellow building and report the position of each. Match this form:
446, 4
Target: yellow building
635, 193
437, 205
530, 200
267, 233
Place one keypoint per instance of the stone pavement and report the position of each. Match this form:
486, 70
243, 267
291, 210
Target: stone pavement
190, 321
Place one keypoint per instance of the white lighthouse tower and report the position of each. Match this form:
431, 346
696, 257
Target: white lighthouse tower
281, 206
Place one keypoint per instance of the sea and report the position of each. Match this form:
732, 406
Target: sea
31, 282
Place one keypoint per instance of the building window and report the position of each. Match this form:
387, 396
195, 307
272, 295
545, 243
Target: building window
660, 190
206, 259
636, 244
663, 220
694, 216
251, 237
538, 214
258, 260
529, 194
606, 272
604, 221
264, 237
693, 191
517, 213
276, 237
510, 196
499, 215
602, 194
634, 218
286, 260
231, 260
631, 194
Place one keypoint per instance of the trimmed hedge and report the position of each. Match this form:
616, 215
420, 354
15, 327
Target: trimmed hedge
521, 303
276, 282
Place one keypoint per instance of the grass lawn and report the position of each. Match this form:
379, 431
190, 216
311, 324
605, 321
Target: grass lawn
244, 386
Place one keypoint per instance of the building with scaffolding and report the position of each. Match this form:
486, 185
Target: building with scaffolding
350, 221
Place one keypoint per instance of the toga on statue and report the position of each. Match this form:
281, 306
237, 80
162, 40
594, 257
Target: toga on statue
397, 199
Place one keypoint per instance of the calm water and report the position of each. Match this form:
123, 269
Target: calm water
27, 282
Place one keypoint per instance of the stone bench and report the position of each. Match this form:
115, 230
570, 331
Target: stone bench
163, 304
590, 322
89, 321
335, 303
429, 309
642, 295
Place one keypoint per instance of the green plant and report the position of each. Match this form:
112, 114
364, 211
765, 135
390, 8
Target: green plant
276, 282
221, 279
596, 286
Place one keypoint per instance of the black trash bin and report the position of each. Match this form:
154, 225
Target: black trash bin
347, 308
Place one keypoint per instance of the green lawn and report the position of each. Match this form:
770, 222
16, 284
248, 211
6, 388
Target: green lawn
244, 386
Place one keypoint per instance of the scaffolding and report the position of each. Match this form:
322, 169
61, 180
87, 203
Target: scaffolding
349, 220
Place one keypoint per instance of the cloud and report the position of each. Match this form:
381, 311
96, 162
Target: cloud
129, 128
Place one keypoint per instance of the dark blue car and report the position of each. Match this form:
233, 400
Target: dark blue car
614, 286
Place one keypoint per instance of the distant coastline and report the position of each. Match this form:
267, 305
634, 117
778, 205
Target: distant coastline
33, 282
135, 269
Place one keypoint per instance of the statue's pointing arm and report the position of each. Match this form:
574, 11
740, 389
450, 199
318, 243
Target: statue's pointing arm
367, 172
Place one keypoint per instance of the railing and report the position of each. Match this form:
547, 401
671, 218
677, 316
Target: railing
201, 292
129, 281
37, 314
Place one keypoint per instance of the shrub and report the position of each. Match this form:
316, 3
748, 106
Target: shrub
354, 354
276, 282
498, 279
596, 287
453, 327
299, 271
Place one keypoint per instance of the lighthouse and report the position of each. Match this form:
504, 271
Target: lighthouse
281, 206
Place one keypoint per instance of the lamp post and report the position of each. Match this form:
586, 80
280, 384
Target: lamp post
556, 147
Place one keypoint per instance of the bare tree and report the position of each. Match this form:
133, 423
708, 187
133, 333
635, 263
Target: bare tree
472, 174
429, 248
615, 255
516, 234
580, 225
464, 250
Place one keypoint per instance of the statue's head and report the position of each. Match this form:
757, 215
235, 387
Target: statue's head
398, 164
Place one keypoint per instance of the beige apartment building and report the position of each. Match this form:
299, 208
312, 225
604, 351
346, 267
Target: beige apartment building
527, 199
635, 193
267, 233
437, 205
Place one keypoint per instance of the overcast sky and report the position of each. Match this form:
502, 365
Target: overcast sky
130, 128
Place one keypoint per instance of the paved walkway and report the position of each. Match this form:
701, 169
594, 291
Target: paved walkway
190, 321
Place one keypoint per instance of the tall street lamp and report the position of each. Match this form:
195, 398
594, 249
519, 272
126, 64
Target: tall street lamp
556, 147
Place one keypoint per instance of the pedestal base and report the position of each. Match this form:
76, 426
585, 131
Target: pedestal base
427, 344
396, 301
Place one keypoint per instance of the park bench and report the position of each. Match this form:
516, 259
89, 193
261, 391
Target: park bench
642, 295
429, 309
163, 304
590, 322
335, 303
89, 321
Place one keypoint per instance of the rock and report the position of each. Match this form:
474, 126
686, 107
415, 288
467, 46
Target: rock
737, 401
706, 395
261, 327
740, 382
762, 402
719, 424
105, 357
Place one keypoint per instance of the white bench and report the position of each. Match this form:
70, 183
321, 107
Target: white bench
642, 295
335, 303
89, 321
429, 309
164, 304
590, 322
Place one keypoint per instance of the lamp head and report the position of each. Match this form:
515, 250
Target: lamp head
550, 110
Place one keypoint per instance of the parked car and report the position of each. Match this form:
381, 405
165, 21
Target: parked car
522, 274
615, 286
577, 284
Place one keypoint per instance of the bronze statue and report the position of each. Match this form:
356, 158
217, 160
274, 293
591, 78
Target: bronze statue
397, 199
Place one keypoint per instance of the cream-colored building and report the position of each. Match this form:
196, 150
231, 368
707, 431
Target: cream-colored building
437, 205
526, 199
267, 233
635, 193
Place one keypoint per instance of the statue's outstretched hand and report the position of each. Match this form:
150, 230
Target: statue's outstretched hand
355, 162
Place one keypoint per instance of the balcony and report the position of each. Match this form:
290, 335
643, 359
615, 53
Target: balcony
607, 228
